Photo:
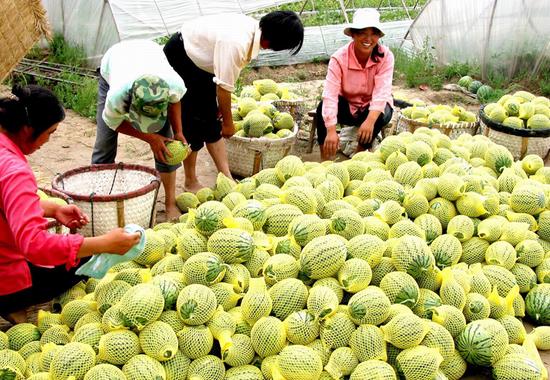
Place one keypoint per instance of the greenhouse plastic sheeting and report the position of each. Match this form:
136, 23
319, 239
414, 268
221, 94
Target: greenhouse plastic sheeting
505, 37
322, 41
98, 24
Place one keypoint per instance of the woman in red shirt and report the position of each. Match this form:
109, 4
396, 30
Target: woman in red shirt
358, 85
35, 265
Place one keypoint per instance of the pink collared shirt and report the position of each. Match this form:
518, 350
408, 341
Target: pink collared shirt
363, 87
23, 234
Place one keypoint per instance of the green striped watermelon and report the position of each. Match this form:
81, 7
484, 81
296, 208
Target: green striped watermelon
537, 304
482, 342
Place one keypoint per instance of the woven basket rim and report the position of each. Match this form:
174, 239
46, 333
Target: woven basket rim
288, 101
56, 194
155, 183
543, 132
267, 142
459, 125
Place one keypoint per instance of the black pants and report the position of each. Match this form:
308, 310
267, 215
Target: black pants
47, 283
345, 117
199, 105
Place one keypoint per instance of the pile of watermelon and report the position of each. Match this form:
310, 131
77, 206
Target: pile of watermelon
482, 91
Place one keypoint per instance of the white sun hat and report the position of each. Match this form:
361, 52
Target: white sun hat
365, 18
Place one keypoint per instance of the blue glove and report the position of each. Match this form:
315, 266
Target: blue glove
99, 265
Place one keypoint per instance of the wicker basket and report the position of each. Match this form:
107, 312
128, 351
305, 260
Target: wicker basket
53, 225
296, 108
453, 130
22, 22
247, 156
112, 195
520, 142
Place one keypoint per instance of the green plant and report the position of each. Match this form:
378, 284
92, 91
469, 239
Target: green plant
75, 92
419, 67
328, 12
492, 97
544, 82
458, 69
36, 52
63, 52
85, 102
320, 59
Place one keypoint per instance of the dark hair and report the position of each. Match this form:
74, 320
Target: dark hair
32, 105
284, 31
376, 53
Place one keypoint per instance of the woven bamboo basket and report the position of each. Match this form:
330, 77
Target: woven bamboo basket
22, 23
453, 130
520, 142
53, 225
112, 195
296, 108
247, 156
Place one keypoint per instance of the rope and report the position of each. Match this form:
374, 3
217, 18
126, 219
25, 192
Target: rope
153, 208
119, 166
92, 206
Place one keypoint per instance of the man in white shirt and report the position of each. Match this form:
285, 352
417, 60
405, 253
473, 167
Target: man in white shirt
209, 54
139, 95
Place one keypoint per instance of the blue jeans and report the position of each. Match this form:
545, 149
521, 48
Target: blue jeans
106, 140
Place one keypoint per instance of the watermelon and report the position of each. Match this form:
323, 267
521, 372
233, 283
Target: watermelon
484, 92
465, 81
537, 304
474, 86
482, 342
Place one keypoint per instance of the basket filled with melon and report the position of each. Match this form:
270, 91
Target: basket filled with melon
266, 118
449, 120
519, 121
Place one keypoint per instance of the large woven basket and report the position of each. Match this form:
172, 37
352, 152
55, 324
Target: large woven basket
296, 108
247, 156
22, 23
520, 142
453, 130
53, 225
112, 195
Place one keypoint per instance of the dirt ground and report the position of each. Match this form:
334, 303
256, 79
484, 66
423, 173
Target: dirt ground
71, 146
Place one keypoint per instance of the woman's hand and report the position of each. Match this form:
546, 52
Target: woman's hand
364, 135
331, 144
158, 146
119, 241
71, 216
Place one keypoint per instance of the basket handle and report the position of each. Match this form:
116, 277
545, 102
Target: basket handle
60, 180
120, 166
153, 208
92, 194
524, 146
258, 161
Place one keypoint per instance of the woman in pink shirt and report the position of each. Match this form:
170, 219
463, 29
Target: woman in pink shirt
35, 265
358, 85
